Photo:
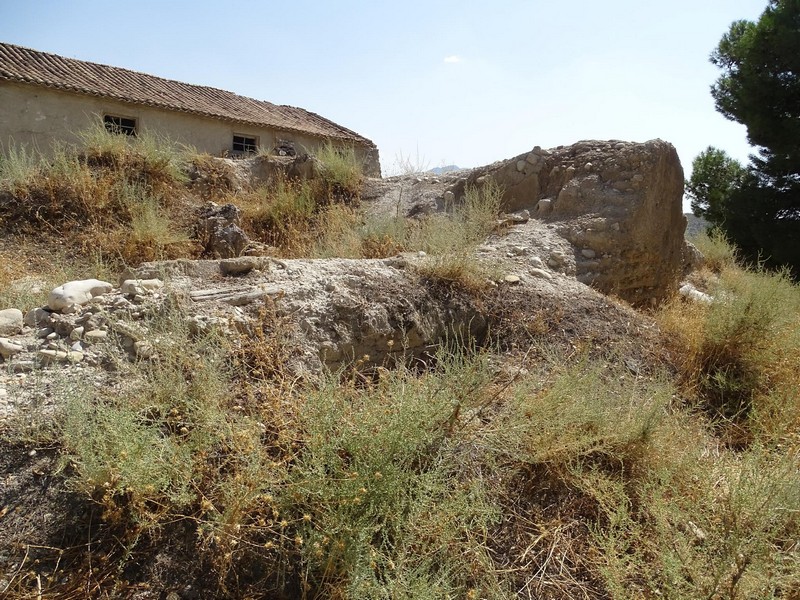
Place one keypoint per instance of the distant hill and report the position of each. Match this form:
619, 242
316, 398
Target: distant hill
695, 225
445, 169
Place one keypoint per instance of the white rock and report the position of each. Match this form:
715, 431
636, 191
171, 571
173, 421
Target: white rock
77, 293
49, 356
511, 279
133, 287
520, 165
9, 348
541, 273
537, 262
10, 321
689, 291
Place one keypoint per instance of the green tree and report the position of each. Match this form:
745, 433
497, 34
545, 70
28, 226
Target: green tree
715, 177
760, 88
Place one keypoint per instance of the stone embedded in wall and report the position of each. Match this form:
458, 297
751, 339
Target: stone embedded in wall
219, 232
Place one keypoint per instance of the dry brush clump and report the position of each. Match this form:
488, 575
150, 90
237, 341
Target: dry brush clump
737, 355
113, 195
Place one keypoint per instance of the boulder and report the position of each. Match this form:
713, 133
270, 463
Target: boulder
618, 203
77, 293
10, 321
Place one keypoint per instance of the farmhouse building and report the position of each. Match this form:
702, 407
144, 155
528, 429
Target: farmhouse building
45, 97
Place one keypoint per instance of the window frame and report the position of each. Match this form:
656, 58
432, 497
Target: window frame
248, 144
120, 125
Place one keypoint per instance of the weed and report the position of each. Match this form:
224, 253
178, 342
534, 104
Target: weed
342, 172
717, 251
733, 353
18, 168
451, 240
281, 214
373, 498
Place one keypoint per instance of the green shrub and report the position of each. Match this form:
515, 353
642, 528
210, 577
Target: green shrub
374, 498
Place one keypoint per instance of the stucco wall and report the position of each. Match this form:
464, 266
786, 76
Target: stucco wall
37, 116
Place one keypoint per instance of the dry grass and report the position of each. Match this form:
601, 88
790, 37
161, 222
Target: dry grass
737, 356
114, 196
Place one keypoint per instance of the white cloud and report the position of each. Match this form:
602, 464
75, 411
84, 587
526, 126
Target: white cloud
453, 58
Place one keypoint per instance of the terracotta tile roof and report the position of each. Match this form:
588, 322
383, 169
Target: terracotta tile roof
51, 70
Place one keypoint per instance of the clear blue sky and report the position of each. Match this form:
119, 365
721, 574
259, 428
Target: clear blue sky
466, 82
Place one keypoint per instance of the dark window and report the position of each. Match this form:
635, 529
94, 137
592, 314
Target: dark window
120, 125
244, 144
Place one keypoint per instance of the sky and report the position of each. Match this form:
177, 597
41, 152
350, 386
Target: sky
431, 83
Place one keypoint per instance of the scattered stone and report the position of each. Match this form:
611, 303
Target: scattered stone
519, 250
537, 262
541, 273
11, 321
237, 266
134, 287
49, 357
588, 253
449, 198
44, 332
37, 317
77, 293
699, 534
94, 336
512, 279
556, 259
9, 348
687, 290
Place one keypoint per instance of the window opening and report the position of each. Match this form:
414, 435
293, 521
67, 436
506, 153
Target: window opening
245, 144
120, 125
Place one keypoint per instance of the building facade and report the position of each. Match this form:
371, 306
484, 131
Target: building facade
46, 98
